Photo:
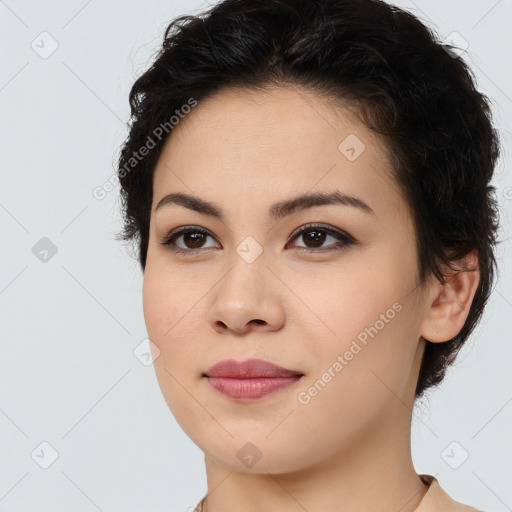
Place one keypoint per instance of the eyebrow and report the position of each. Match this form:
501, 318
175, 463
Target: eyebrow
276, 212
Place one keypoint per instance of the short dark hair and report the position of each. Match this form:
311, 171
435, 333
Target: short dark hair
406, 85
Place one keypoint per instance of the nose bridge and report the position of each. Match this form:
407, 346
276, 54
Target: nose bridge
247, 267
250, 250
245, 263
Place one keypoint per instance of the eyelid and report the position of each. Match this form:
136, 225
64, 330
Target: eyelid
334, 232
322, 227
175, 233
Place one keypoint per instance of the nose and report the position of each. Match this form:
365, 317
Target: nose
248, 298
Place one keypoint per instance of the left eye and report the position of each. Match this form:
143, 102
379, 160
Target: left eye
317, 236
194, 238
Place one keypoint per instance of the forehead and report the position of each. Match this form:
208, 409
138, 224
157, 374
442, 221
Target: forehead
257, 147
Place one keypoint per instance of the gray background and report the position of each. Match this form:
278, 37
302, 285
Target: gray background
70, 323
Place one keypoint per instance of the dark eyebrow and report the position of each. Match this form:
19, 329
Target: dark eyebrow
277, 210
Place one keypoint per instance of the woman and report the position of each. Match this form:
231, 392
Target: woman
307, 183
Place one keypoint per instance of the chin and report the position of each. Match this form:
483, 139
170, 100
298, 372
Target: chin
257, 458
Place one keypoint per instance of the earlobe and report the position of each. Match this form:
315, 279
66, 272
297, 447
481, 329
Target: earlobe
448, 304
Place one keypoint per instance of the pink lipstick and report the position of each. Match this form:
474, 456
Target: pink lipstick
250, 379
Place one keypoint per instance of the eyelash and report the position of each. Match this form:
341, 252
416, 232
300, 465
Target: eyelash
346, 239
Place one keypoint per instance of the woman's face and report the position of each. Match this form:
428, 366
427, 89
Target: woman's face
344, 311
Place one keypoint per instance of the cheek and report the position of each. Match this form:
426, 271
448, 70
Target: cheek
356, 383
338, 302
157, 306
167, 301
173, 314
366, 317
170, 324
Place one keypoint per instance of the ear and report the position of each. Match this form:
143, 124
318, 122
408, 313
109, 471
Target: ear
448, 304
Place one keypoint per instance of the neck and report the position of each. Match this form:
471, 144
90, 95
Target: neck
375, 473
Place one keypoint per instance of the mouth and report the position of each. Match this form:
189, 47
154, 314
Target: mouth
249, 369
251, 379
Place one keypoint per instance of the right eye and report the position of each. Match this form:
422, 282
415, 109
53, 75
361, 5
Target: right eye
193, 240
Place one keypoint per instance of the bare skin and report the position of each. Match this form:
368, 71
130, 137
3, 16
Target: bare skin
347, 445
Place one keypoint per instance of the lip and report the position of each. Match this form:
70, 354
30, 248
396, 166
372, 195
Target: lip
249, 369
250, 379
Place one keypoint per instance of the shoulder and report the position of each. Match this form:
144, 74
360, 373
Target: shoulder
436, 499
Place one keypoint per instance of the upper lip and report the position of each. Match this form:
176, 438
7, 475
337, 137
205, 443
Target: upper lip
250, 368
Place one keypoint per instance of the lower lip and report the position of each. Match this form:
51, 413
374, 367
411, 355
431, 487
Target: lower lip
250, 389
